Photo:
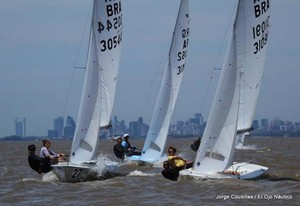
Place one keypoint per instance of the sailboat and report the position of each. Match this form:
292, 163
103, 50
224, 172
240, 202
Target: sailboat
172, 77
240, 139
245, 54
251, 78
98, 94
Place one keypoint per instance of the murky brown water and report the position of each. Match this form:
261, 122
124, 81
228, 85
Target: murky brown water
19, 185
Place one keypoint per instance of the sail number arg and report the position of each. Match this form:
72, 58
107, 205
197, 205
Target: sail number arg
180, 69
182, 54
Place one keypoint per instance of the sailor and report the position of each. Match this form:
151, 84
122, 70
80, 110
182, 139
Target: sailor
129, 149
171, 174
125, 143
47, 152
174, 164
196, 144
176, 161
40, 165
119, 150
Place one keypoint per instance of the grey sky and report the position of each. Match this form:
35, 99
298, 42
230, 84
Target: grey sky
39, 41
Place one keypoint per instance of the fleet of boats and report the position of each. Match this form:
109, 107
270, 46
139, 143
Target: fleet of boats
231, 114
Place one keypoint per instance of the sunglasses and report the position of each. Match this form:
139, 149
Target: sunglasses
171, 152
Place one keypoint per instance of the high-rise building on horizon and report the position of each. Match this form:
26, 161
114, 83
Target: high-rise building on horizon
69, 129
58, 125
20, 127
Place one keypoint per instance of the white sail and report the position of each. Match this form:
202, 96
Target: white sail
159, 125
254, 23
216, 148
240, 138
249, 36
100, 79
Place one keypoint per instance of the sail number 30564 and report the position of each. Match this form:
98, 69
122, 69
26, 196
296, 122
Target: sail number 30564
110, 43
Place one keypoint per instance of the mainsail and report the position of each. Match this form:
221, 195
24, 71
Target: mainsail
242, 71
159, 125
100, 81
251, 66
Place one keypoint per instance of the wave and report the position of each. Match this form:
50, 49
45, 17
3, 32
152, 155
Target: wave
29, 179
50, 177
280, 177
140, 173
246, 147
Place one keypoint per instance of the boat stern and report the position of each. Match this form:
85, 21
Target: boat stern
192, 174
246, 171
68, 172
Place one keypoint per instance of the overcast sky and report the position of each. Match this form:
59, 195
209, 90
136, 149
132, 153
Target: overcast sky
39, 42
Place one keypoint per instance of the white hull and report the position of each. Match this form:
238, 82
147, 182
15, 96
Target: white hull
133, 158
244, 170
69, 172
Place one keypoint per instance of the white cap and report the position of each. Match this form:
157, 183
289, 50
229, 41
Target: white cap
117, 137
125, 135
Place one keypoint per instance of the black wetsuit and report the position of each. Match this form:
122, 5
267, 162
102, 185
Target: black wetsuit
171, 174
40, 165
195, 145
119, 151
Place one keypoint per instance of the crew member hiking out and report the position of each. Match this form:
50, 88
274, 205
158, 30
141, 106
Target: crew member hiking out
129, 149
40, 165
119, 150
174, 164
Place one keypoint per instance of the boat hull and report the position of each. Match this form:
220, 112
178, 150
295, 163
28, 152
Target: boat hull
72, 173
245, 171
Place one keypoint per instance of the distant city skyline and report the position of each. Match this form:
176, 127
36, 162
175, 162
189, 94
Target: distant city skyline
60, 129
38, 51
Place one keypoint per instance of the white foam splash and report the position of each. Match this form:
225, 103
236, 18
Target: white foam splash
264, 149
50, 177
140, 173
3, 171
102, 165
246, 147
28, 179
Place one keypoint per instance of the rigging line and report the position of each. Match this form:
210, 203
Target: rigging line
159, 70
76, 58
82, 35
249, 86
218, 56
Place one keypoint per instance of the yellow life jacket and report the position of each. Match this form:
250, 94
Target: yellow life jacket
176, 161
